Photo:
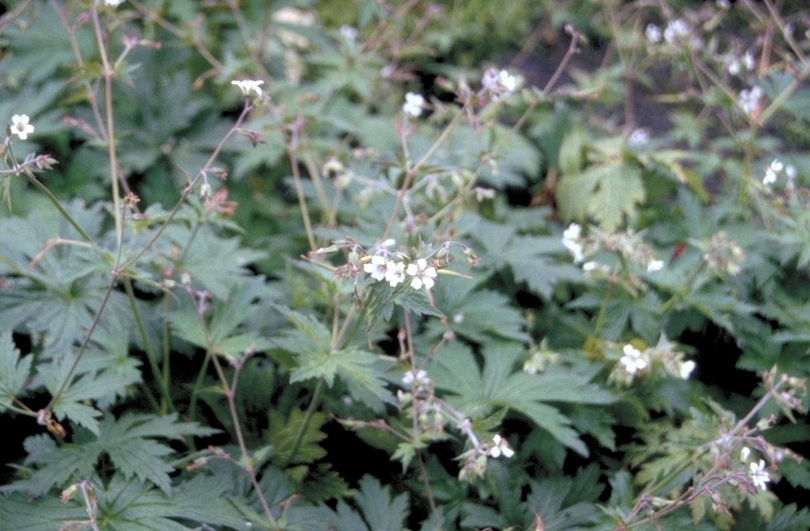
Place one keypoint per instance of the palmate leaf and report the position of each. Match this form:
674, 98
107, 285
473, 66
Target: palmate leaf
219, 264
380, 511
14, 370
130, 442
129, 505
59, 294
530, 258
497, 386
282, 434
229, 330
361, 371
605, 191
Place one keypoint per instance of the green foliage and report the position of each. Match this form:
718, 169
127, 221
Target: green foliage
129, 443
498, 386
247, 304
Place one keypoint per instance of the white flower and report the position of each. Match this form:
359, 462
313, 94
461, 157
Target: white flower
573, 232
633, 360
112, 3
421, 273
20, 126
772, 172
421, 379
500, 448
394, 273
733, 67
570, 240
377, 267
413, 104
686, 369
675, 30
748, 60
499, 81
758, 474
655, 265
749, 99
639, 137
653, 33
248, 85
349, 33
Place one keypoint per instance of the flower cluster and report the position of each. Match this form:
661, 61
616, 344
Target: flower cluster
395, 272
635, 362
418, 379
676, 34
751, 101
736, 64
774, 170
499, 82
539, 358
722, 255
629, 244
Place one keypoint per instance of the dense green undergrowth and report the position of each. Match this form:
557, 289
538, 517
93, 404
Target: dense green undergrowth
283, 265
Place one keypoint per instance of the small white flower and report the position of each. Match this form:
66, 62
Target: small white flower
349, 33
500, 448
113, 3
639, 137
20, 126
394, 273
748, 61
675, 30
633, 360
749, 100
499, 81
421, 379
413, 104
421, 273
653, 33
377, 267
758, 474
655, 265
734, 67
570, 240
744, 454
573, 232
772, 172
686, 369
248, 85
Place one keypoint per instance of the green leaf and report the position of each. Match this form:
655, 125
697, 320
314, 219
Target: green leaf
14, 370
498, 386
282, 433
605, 191
380, 511
479, 315
41, 514
229, 331
129, 442
217, 263
531, 258
363, 373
